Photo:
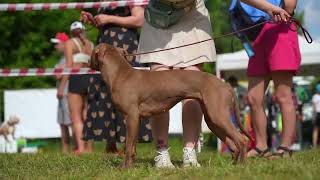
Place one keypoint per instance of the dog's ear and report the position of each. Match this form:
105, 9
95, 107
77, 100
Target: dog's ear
123, 53
94, 62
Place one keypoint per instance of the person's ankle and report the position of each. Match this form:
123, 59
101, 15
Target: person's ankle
283, 145
190, 145
188, 148
111, 147
262, 146
162, 149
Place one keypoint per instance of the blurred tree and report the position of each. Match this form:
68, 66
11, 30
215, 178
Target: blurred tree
220, 21
25, 43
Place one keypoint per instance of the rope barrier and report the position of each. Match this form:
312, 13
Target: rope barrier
24, 72
75, 5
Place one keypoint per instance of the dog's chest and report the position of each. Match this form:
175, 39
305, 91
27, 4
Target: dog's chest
10, 129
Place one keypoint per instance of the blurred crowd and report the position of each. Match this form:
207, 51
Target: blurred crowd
307, 105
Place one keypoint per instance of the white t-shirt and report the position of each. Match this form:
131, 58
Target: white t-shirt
316, 102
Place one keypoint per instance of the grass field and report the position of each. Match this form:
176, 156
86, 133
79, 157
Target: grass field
51, 164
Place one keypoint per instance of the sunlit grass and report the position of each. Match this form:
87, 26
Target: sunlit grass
51, 164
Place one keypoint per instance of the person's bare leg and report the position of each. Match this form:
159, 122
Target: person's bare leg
315, 135
76, 111
160, 123
160, 132
87, 144
160, 128
257, 87
65, 138
191, 123
84, 110
283, 84
191, 118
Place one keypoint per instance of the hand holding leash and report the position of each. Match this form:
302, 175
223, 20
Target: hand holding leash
87, 18
278, 14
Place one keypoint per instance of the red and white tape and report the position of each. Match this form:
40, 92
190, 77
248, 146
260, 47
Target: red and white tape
75, 5
48, 71
44, 72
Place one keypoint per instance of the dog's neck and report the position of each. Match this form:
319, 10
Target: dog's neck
114, 68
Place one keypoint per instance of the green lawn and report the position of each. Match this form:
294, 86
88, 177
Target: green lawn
50, 164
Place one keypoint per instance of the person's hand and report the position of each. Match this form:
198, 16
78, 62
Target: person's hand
87, 18
59, 76
60, 92
278, 14
102, 19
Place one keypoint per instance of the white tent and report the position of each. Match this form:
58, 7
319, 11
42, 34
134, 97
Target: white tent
236, 63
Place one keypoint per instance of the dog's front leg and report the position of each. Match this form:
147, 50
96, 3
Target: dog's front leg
6, 137
13, 133
132, 123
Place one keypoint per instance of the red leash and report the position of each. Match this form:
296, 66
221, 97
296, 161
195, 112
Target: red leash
306, 34
293, 20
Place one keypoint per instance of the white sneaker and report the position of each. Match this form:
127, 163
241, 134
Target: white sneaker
190, 157
162, 160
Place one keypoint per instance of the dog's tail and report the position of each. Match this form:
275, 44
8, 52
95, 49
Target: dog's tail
235, 107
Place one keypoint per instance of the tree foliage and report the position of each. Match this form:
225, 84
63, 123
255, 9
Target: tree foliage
25, 43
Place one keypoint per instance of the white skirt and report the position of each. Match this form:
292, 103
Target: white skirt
193, 27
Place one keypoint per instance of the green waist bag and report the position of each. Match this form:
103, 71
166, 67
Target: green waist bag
161, 15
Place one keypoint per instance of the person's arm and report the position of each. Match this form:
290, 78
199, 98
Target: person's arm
290, 6
134, 21
62, 84
59, 77
277, 14
68, 53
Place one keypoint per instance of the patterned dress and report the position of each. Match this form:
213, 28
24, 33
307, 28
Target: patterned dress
104, 122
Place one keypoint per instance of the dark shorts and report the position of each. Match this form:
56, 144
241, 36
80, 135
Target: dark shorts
79, 84
317, 120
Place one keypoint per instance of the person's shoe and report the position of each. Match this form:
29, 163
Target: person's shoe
190, 158
162, 160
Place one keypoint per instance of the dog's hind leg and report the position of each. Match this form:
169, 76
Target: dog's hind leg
132, 124
222, 136
225, 126
221, 119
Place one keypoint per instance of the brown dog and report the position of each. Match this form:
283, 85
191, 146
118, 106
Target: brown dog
142, 93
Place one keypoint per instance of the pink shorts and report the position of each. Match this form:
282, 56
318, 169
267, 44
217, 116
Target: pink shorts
276, 49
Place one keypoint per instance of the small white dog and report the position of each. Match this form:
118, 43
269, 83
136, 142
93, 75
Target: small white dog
8, 128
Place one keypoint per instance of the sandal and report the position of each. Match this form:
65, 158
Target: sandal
261, 153
286, 153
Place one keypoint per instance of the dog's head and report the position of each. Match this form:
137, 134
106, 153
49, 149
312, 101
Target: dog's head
13, 120
95, 62
101, 51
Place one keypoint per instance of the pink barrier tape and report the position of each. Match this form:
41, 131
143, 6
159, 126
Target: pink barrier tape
49, 71
64, 6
